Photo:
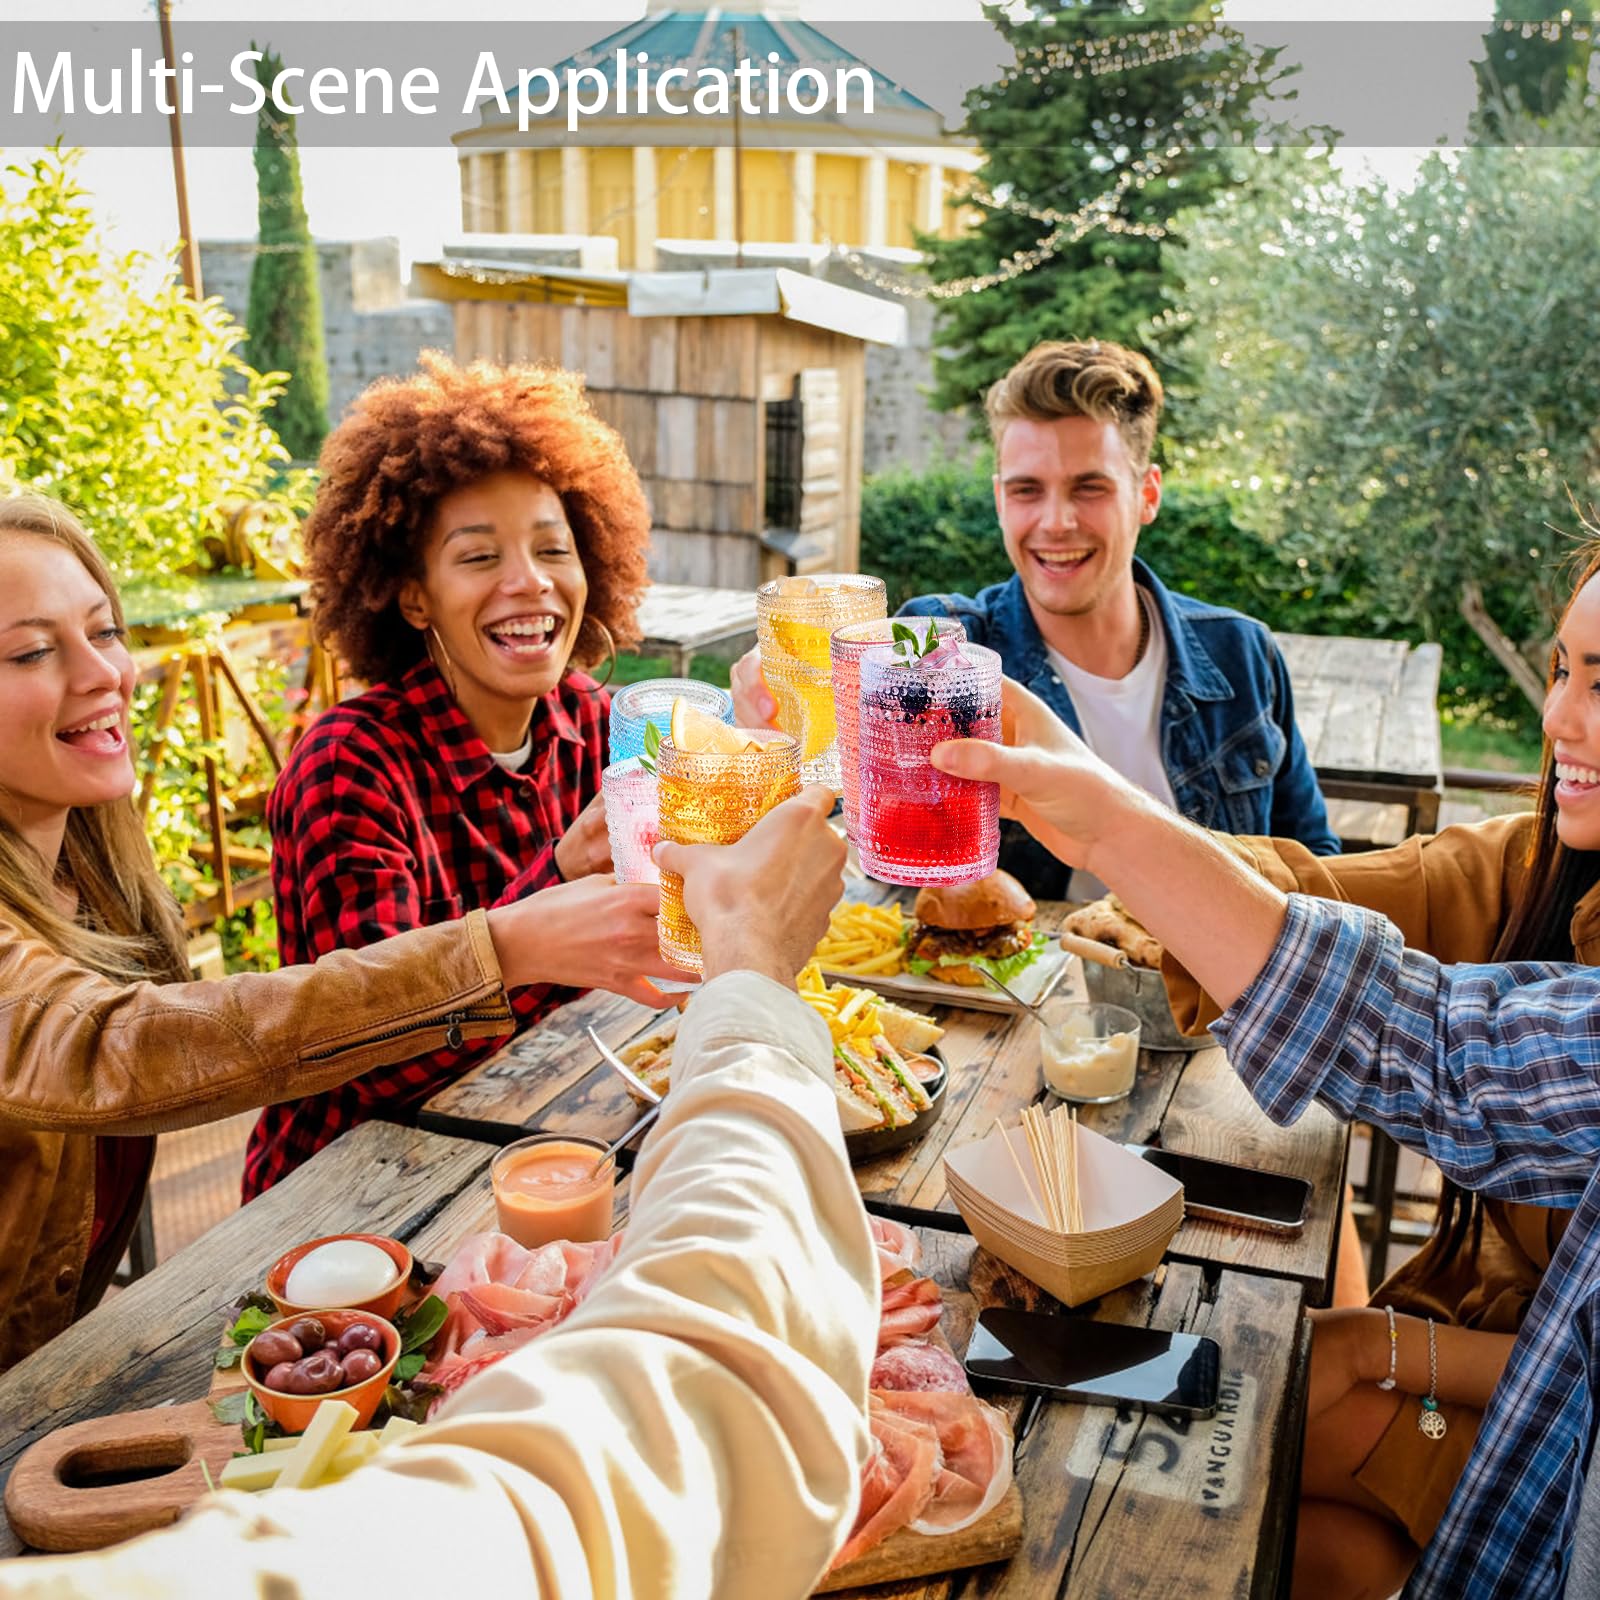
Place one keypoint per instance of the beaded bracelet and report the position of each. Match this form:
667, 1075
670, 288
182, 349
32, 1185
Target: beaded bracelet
1394, 1350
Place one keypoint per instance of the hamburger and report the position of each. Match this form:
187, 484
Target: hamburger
963, 930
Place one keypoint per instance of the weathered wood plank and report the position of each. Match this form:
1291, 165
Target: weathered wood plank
1409, 746
1125, 1503
1211, 1114
1349, 743
514, 1086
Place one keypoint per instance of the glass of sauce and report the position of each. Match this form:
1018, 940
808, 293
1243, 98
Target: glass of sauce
1090, 1053
547, 1187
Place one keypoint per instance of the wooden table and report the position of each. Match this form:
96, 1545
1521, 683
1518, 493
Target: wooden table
550, 1079
1200, 1509
1368, 710
678, 619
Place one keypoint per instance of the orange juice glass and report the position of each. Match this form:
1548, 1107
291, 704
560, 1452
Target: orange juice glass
711, 798
548, 1187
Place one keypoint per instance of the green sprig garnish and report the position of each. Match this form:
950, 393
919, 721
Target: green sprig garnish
652, 744
908, 647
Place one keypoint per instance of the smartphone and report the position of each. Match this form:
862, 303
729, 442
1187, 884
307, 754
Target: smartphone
1071, 1358
1244, 1195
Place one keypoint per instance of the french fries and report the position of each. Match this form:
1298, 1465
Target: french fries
858, 1017
864, 940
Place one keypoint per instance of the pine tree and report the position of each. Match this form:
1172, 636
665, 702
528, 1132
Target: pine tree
285, 316
1528, 74
1055, 140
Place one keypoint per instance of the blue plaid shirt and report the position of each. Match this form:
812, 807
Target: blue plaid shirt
1495, 1073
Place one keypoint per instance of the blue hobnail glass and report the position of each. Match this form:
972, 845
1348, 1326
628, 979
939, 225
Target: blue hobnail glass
636, 704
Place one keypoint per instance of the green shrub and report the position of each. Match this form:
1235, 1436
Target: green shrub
118, 393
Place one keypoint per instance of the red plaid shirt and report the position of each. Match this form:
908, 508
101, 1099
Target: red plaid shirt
392, 814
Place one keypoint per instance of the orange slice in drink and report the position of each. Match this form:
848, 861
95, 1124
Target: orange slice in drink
695, 733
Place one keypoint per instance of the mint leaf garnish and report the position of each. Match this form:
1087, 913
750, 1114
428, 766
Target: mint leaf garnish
652, 744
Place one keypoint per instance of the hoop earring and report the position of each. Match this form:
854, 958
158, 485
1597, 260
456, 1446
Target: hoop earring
445, 665
611, 654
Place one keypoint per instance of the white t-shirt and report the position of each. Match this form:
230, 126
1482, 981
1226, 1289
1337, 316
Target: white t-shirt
514, 760
1121, 722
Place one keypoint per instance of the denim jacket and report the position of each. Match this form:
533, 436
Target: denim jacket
1234, 758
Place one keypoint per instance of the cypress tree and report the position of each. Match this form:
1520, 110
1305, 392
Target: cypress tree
285, 316
1055, 139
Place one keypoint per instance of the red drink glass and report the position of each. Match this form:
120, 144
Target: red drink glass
918, 825
847, 647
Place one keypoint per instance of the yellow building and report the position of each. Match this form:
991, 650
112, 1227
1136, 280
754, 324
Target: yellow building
763, 176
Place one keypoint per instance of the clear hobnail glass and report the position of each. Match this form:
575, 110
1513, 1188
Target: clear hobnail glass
794, 625
633, 820
918, 825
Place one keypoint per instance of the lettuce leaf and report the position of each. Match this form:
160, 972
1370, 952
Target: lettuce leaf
1006, 968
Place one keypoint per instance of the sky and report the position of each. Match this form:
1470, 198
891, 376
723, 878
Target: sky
414, 194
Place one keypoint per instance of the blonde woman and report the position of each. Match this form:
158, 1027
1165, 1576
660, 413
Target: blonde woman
102, 1043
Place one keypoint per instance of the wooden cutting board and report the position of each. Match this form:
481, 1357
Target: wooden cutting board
996, 1537
98, 1482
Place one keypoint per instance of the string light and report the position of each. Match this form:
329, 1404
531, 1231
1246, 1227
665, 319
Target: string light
1067, 227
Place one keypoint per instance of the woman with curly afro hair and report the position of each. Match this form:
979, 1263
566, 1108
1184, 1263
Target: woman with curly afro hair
478, 537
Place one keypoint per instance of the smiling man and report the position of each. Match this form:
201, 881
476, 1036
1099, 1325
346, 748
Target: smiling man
1189, 700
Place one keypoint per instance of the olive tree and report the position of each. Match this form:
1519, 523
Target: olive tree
1407, 379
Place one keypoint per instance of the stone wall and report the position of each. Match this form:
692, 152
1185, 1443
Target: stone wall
372, 330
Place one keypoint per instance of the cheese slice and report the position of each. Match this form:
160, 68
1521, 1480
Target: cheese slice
318, 1444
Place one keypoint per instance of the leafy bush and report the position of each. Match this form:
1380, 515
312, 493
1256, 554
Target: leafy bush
118, 393
932, 532
935, 532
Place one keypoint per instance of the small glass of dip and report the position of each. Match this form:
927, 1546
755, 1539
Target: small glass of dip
1090, 1053
547, 1187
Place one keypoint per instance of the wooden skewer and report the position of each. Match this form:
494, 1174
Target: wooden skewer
1016, 1161
1072, 1167
1037, 1129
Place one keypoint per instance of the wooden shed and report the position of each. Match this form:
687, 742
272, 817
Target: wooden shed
740, 395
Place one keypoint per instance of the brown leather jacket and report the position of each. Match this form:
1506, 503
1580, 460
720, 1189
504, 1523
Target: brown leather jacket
82, 1057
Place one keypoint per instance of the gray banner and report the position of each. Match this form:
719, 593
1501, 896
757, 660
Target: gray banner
407, 83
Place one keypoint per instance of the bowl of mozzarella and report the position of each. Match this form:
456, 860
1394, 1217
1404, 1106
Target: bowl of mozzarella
351, 1271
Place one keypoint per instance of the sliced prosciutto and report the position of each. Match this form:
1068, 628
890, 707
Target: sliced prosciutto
500, 1295
898, 1250
916, 1364
910, 1309
896, 1482
975, 1448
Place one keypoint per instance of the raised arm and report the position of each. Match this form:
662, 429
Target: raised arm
1448, 893
79, 1053
1499, 1082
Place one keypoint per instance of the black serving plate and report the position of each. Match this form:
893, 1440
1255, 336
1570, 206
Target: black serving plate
871, 1142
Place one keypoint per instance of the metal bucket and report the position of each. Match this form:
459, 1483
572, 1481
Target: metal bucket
1142, 992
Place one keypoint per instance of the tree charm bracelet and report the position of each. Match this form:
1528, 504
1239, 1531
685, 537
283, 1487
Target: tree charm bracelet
1431, 1419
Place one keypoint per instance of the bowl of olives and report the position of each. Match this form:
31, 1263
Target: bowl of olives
300, 1361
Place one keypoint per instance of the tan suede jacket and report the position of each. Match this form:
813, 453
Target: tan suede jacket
82, 1057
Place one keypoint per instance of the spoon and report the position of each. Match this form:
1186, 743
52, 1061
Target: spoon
629, 1076
1031, 1007
638, 1128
